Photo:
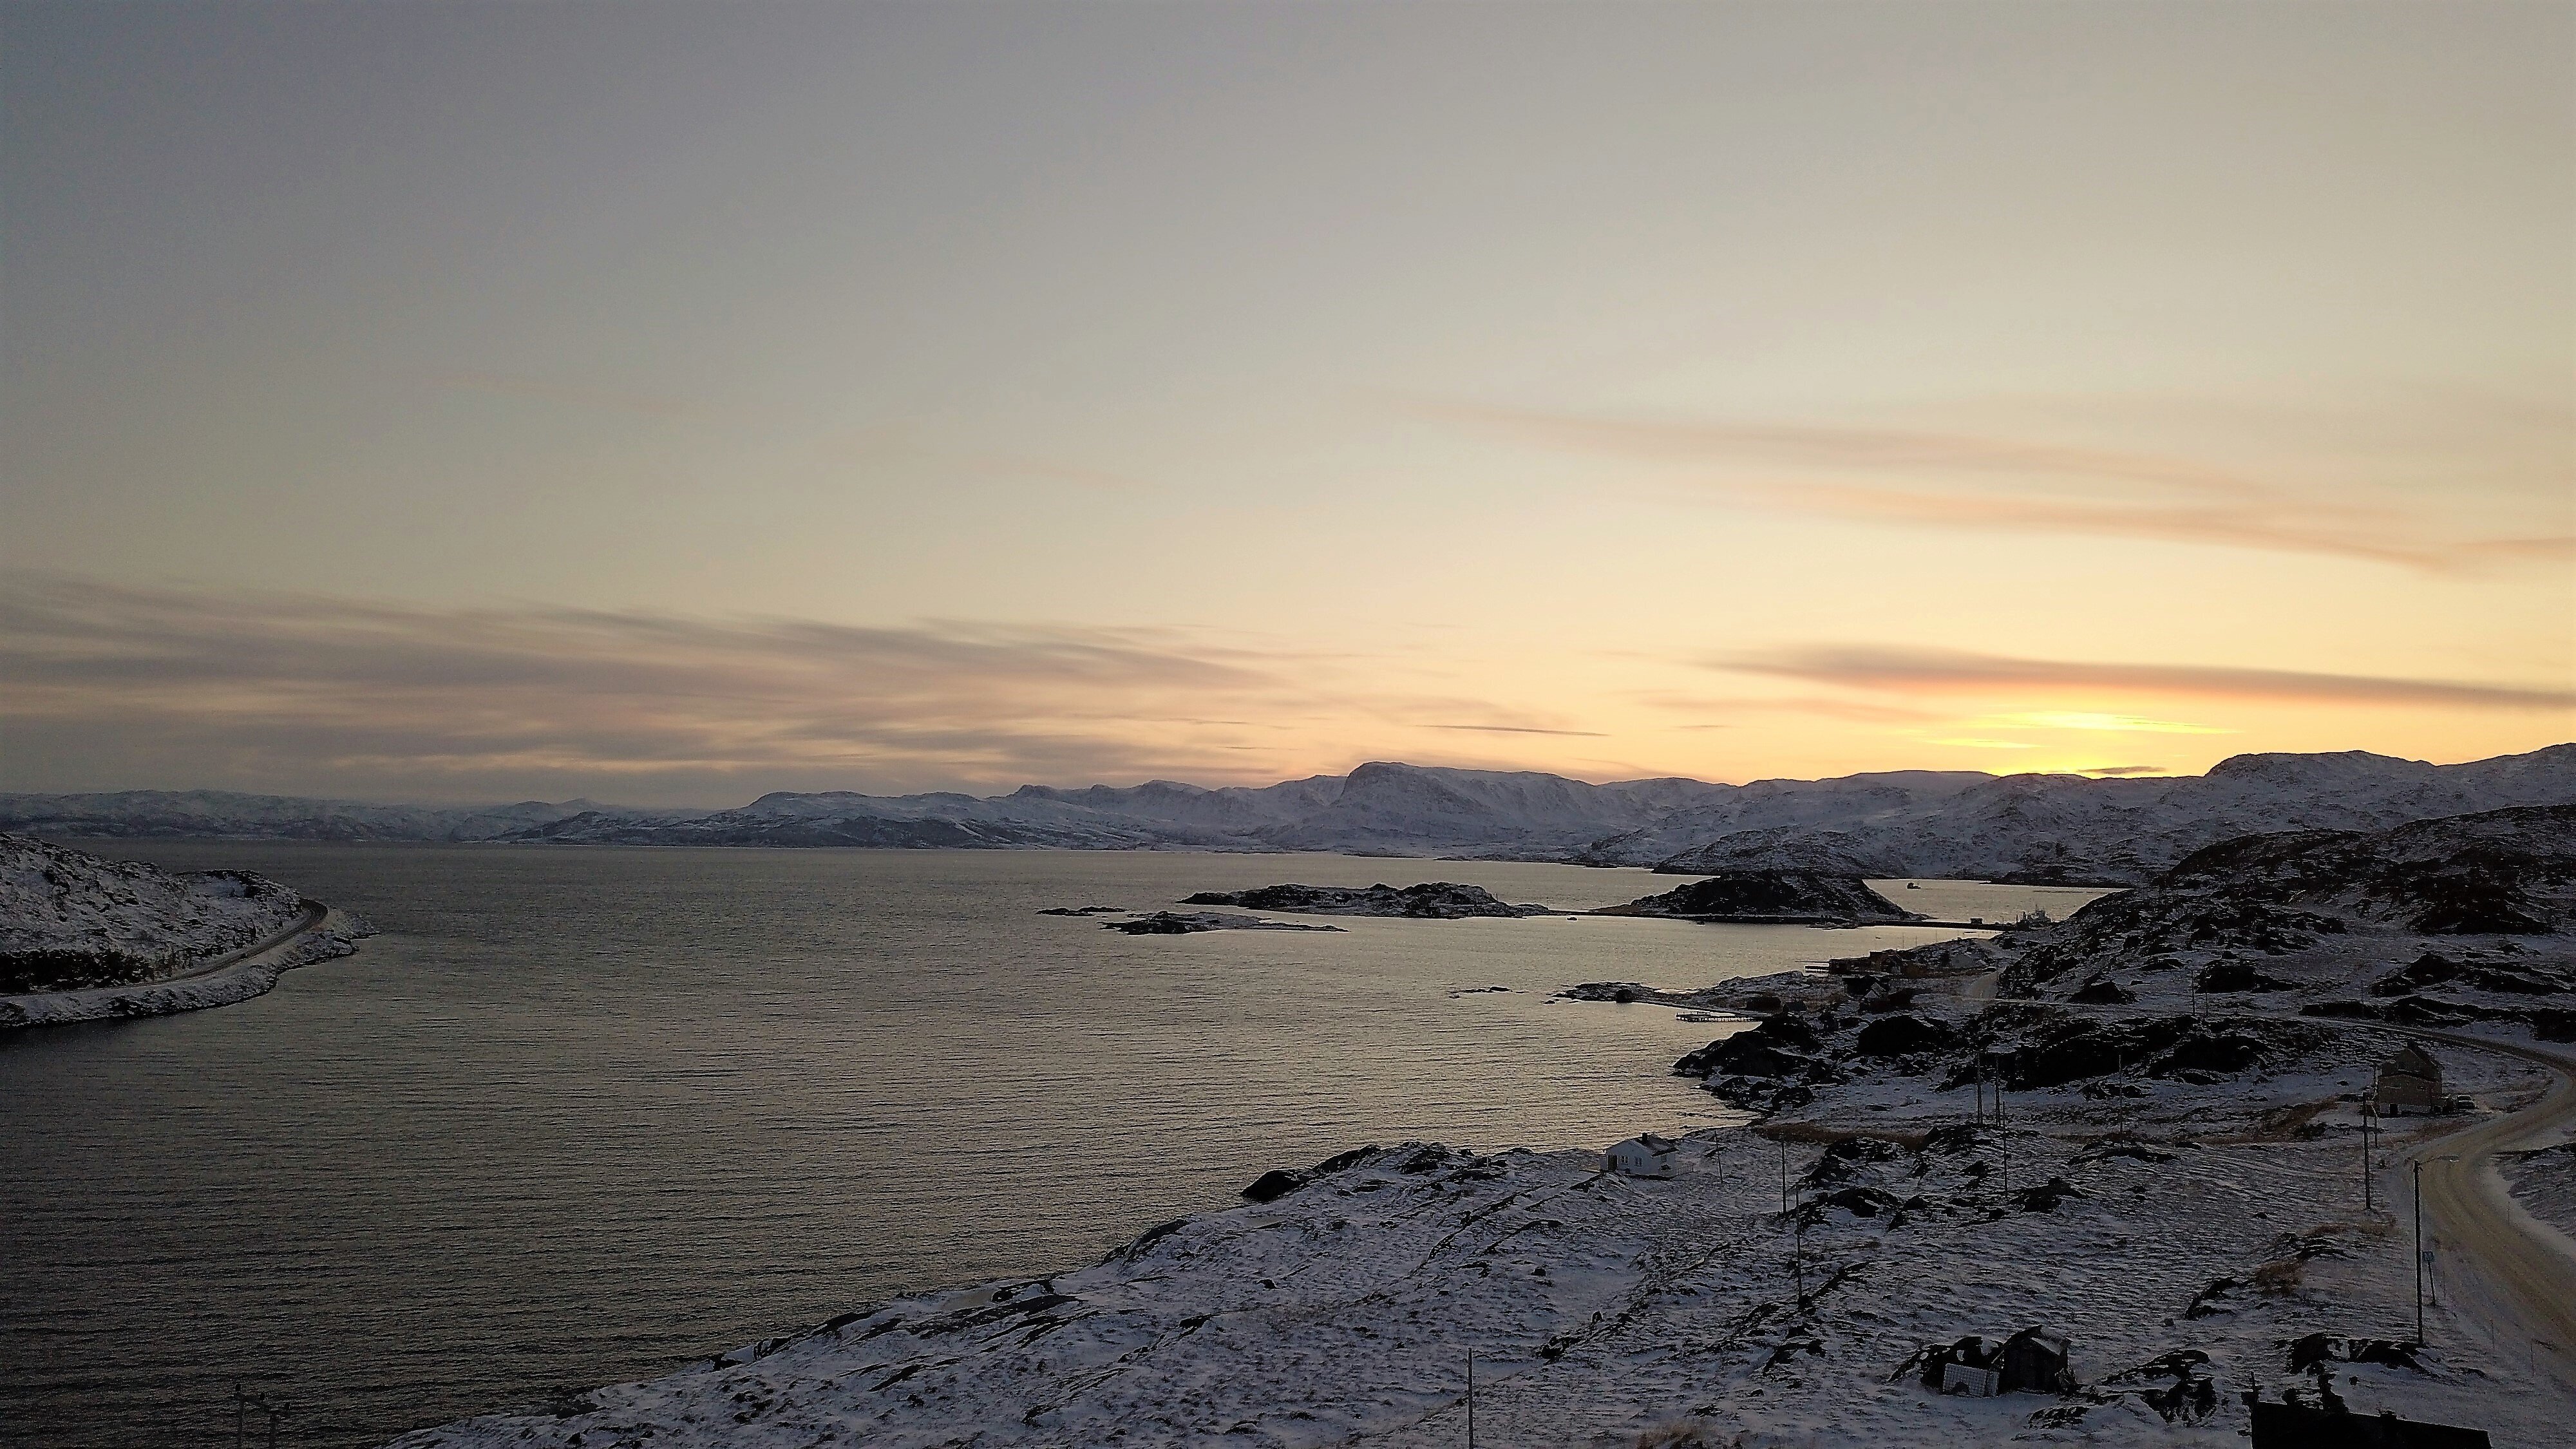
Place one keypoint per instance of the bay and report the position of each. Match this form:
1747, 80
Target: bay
578, 1116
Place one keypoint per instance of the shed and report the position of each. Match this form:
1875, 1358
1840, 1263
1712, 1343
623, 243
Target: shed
2035, 1359
1645, 1155
2412, 1078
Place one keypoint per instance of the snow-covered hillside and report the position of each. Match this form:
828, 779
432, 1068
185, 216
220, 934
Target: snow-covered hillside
70, 919
2189, 1237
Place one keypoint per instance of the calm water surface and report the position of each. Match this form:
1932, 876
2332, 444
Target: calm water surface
580, 1115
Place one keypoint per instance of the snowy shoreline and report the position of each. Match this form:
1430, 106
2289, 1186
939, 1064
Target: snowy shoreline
327, 935
2218, 1219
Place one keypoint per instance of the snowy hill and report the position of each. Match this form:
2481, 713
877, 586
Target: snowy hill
69, 919
2047, 828
224, 814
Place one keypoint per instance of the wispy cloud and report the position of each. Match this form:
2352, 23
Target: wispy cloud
1521, 730
1853, 710
1960, 480
1904, 671
2122, 770
177, 686
2126, 724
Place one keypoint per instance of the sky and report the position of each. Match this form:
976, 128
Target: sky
671, 403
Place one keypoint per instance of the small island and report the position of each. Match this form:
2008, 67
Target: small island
1772, 897
1183, 923
1437, 900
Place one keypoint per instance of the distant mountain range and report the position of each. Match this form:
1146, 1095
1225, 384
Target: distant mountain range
2068, 828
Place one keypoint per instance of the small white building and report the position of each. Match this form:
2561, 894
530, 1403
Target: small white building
1645, 1155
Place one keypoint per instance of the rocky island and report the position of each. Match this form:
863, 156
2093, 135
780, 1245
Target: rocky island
1184, 923
1437, 900
1772, 897
82, 937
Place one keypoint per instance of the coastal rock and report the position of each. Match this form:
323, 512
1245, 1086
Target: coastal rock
1778, 897
1432, 900
1183, 923
1903, 1035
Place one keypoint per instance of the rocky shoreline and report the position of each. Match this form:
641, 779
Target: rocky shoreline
84, 938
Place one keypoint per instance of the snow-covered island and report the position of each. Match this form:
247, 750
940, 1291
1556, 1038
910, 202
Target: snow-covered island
2099, 1157
82, 937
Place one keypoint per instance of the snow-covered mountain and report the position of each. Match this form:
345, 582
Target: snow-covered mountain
1892, 823
224, 814
2070, 828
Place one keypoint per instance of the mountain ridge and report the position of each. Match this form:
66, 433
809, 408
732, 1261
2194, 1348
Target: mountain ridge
1882, 824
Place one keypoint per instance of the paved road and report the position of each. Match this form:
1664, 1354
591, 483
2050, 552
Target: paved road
2525, 1271
311, 916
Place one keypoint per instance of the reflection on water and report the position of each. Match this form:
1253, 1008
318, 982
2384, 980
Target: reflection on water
581, 1114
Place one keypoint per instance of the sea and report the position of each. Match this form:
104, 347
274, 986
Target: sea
583, 1115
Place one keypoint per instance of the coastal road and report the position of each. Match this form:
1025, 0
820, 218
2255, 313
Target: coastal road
306, 919
2526, 1271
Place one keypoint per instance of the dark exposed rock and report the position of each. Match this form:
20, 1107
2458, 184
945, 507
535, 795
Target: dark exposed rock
2428, 969
1178, 923
1277, 1183
1860, 1202
1844, 1161
2057, 1051
1433, 900
1777, 1047
1903, 1035
2213, 1299
1794, 897
2127, 1147
2238, 976
2045, 1197
2321, 1348
2102, 991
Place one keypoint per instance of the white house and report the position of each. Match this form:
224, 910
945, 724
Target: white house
1646, 1155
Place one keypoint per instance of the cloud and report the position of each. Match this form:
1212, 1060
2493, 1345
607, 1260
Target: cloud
1521, 730
1958, 480
2127, 724
2122, 770
1852, 710
1913, 671
173, 686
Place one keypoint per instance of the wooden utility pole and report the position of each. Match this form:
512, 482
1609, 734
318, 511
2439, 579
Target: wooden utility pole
1471, 1399
2369, 1119
2419, 1253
